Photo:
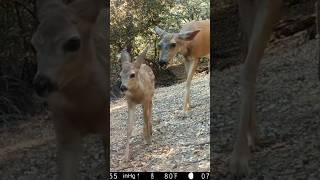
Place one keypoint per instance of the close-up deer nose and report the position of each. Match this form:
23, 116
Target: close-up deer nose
123, 88
43, 86
162, 62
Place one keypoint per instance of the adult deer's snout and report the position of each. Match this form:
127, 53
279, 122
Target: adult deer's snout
162, 62
43, 85
123, 88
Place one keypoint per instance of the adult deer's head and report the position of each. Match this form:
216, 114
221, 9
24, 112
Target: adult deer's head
171, 43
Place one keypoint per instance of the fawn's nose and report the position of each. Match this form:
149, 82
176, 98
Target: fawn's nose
123, 88
162, 62
43, 85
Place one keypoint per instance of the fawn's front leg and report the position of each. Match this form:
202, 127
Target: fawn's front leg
69, 152
147, 114
131, 120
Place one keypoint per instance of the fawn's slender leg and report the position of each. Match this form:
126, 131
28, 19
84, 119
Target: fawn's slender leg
267, 12
150, 118
69, 153
131, 121
146, 115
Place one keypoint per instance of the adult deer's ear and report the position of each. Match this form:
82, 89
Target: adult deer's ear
87, 10
124, 57
188, 36
159, 31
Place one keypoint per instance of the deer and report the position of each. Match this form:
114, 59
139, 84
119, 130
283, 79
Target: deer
71, 75
193, 42
257, 19
138, 84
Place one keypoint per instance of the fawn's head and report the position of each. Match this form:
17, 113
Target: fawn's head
171, 43
129, 70
61, 39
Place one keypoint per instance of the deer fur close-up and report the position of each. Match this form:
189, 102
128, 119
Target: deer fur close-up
257, 19
71, 75
138, 85
193, 42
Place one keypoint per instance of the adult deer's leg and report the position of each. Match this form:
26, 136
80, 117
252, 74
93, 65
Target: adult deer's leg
247, 14
191, 65
265, 15
131, 121
69, 152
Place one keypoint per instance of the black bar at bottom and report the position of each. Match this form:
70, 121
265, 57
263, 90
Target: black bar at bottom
159, 175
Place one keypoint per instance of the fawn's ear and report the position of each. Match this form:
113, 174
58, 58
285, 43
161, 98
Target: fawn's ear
87, 10
188, 36
159, 31
124, 57
47, 7
141, 58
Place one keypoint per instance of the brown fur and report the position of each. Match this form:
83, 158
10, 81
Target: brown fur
140, 90
79, 104
193, 42
257, 19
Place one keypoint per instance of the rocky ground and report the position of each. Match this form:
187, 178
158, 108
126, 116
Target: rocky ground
288, 97
28, 152
288, 106
180, 143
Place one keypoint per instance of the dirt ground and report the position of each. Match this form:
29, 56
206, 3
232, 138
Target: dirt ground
28, 152
288, 107
180, 143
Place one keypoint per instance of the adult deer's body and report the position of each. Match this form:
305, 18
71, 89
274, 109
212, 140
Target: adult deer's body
193, 42
257, 18
71, 75
137, 82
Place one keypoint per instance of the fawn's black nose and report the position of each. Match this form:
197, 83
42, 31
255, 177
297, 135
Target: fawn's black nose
43, 85
123, 88
162, 62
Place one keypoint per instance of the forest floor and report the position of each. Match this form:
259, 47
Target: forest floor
288, 103
28, 151
28, 148
180, 143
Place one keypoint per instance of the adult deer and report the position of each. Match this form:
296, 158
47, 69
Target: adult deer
257, 19
71, 75
138, 83
193, 42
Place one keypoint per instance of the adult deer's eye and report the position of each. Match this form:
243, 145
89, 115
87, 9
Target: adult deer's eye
72, 45
172, 45
132, 75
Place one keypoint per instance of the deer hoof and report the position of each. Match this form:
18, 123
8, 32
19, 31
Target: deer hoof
239, 166
182, 114
148, 140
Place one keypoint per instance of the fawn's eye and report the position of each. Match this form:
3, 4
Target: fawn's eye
73, 44
132, 75
172, 45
